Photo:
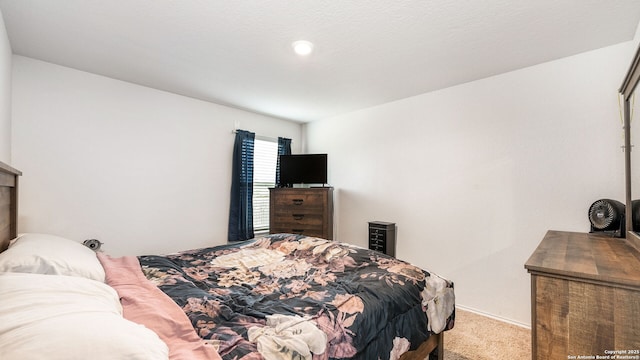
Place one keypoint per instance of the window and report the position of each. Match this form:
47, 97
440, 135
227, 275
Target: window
265, 157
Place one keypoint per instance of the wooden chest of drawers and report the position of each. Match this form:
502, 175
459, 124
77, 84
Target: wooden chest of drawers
307, 211
585, 297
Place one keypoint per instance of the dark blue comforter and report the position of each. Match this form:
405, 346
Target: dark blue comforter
370, 306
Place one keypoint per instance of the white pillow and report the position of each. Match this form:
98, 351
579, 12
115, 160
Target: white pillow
50, 254
64, 317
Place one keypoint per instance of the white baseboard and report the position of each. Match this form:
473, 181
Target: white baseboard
508, 321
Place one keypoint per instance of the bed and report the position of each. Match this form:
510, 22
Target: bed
281, 296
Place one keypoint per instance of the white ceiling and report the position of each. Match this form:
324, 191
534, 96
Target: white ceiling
238, 52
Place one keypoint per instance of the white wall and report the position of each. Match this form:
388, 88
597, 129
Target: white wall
5, 94
144, 171
474, 175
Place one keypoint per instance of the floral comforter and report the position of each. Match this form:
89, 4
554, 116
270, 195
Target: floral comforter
367, 304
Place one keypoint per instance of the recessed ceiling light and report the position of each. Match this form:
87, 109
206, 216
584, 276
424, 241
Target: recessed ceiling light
302, 47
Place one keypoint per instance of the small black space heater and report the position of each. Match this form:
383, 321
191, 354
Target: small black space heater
606, 215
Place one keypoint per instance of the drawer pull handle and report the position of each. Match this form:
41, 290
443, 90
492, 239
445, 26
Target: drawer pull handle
298, 216
297, 201
297, 231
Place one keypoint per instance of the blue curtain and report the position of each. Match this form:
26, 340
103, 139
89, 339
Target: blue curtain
284, 148
241, 208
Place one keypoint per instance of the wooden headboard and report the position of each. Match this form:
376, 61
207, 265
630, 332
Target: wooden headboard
8, 204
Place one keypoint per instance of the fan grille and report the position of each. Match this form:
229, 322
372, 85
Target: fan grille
602, 214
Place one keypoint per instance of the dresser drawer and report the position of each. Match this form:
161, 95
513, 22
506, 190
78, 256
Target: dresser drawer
299, 201
297, 212
377, 247
300, 231
298, 219
376, 234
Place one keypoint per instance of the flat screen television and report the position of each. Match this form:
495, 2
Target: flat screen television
303, 169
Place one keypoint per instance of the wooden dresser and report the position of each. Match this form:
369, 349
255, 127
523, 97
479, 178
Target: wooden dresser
307, 211
585, 297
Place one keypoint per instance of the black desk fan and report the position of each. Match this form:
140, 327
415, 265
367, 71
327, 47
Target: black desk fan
606, 215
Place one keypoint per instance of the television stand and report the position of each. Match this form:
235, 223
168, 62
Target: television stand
306, 211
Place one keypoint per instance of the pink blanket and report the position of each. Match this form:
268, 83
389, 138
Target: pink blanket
145, 304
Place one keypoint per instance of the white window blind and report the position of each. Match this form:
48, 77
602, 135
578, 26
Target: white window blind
265, 157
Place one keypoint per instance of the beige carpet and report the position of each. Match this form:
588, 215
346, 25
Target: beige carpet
476, 337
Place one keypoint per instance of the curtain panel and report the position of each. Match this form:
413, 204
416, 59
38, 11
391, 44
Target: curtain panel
284, 148
241, 207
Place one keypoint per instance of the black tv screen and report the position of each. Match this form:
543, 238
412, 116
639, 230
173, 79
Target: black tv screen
303, 169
